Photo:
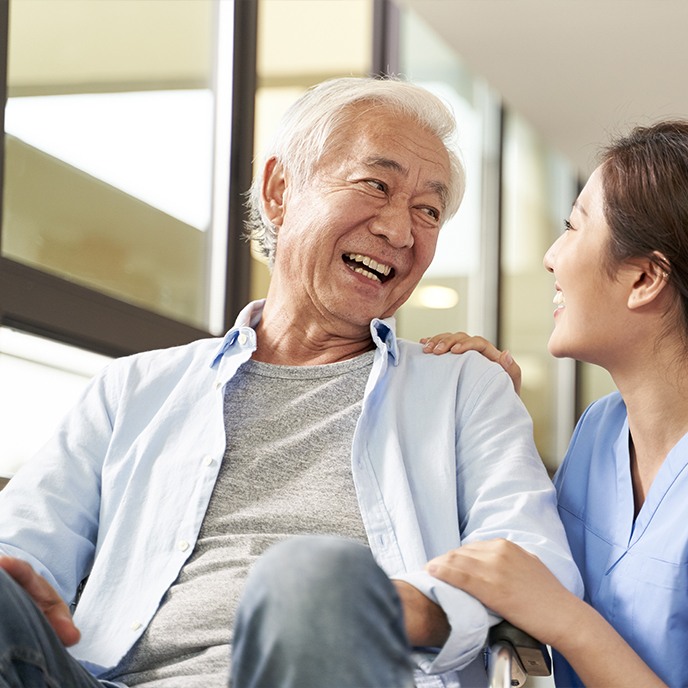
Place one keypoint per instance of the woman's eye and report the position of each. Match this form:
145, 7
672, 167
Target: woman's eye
568, 225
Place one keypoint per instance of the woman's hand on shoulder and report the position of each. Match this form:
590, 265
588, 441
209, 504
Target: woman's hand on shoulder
460, 342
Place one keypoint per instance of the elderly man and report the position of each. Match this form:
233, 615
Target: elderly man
309, 447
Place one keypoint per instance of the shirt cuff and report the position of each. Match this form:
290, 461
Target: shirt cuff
468, 618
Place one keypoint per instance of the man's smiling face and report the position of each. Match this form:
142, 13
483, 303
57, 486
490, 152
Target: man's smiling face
356, 237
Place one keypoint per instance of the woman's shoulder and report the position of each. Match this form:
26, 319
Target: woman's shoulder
596, 434
607, 412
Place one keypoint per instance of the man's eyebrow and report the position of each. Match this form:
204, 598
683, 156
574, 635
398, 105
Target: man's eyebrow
388, 163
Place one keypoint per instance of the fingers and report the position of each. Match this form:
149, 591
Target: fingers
460, 342
506, 360
45, 597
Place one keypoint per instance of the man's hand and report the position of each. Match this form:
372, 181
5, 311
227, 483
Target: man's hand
426, 623
45, 597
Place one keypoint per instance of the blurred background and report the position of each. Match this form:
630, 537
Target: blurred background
130, 130
131, 127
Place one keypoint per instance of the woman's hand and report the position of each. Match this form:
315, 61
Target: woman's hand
513, 583
460, 342
45, 597
519, 587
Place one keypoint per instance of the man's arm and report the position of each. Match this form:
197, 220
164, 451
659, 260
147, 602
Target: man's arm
502, 491
426, 623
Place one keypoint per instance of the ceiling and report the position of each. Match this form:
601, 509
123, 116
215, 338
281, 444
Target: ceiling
579, 71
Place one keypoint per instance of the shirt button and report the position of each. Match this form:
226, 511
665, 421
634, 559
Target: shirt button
218, 384
208, 461
242, 339
182, 545
135, 626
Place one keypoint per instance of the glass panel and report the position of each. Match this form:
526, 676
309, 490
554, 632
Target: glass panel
453, 294
109, 147
41, 380
300, 43
538, 190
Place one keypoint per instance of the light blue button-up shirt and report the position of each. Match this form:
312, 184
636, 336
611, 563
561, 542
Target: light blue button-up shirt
442, 454
635, 569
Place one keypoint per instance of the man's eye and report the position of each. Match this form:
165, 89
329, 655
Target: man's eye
376, 184
431, 212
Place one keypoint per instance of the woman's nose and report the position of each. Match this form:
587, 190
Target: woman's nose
548, 260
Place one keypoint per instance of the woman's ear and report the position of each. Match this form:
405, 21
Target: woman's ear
651, 279
273, 191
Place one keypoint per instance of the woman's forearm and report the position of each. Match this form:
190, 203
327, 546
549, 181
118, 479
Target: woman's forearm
598, 654
520, 588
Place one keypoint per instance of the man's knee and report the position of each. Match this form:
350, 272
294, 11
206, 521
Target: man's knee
312, 553
320, 606
314, 567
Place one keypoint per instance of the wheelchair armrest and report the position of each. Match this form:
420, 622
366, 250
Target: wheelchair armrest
531, 653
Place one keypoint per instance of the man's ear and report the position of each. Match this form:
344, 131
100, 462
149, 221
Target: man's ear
650, 280
273, 191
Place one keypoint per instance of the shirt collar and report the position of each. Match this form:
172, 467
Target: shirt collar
384, 335
243, 333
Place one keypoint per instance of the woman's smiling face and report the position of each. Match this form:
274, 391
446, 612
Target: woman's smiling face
591, 305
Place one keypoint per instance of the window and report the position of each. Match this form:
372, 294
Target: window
301, 43
459, 290
41, 380
116, 224
538, 189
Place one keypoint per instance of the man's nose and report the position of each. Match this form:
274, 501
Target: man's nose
394, 222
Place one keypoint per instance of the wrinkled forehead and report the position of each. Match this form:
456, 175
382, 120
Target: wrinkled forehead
377, 132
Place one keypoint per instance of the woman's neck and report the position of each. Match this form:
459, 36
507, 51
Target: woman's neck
656, 398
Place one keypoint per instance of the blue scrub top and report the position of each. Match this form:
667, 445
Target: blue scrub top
635, 571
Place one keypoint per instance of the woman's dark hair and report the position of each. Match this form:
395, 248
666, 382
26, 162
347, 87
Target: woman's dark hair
645, 182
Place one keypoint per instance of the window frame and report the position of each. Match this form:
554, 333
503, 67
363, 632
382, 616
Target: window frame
40, 303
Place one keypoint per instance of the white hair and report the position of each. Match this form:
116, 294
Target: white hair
308, 126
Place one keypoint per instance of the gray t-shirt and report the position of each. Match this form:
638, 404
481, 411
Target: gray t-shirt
286, 471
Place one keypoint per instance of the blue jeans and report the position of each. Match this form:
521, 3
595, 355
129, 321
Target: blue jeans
31, 654
318, 612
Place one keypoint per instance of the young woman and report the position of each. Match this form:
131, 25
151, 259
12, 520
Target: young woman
621, 271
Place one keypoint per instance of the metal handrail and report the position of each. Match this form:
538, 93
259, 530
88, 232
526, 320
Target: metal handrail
515, 655
505, 669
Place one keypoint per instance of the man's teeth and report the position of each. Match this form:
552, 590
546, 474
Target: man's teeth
368, 263
558, 299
